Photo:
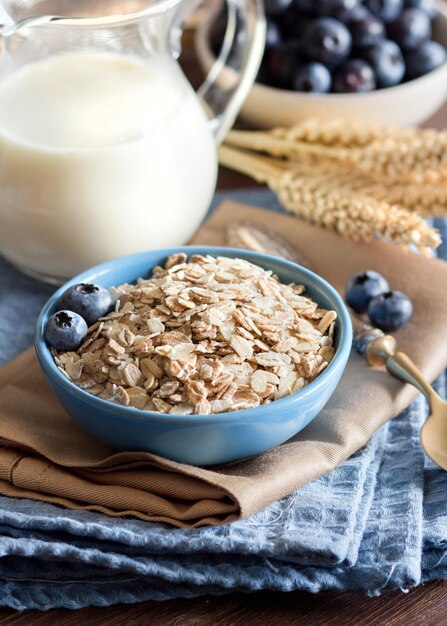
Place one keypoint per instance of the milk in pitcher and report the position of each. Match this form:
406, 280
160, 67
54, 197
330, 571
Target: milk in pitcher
100, 155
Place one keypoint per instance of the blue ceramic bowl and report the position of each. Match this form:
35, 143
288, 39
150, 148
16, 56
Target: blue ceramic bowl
199, 439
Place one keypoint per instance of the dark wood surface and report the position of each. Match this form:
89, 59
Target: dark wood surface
424, 606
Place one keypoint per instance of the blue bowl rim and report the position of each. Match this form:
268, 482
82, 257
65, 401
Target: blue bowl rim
49, 367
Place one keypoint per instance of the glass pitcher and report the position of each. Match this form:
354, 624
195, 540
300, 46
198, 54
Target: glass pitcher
105, 149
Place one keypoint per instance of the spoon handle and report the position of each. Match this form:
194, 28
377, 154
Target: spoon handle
382, 351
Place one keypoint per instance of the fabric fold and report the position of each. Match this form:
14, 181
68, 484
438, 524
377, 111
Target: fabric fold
360, 526
54, 460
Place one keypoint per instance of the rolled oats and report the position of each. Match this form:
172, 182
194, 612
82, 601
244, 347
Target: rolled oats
131, 375
262, 378
208, 335
155, 325
243, 347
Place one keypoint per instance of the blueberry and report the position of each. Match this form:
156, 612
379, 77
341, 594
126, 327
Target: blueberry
282, 63
273, 34
313, 78
294, 23
308, 6
355, 76
276, 7
362, 288
327, 41
385, 10
272, 40
345, 15
327, 8
427, 6
89, 301
387, 61
429, 56
65, 330
389, 311
410, 29
366, 30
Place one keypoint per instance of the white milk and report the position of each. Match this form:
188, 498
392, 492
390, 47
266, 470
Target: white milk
100, 156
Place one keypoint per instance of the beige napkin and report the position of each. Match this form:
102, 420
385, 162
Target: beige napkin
46, 456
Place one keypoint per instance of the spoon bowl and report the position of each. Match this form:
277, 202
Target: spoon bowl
434, 432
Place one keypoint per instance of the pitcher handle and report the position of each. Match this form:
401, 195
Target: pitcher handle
224, 89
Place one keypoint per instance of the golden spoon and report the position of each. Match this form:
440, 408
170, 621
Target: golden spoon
433, 435
379, 349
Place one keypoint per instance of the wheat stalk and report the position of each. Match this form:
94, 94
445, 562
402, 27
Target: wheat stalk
351, 213
353, 134
386, 154
425, 199
319, 198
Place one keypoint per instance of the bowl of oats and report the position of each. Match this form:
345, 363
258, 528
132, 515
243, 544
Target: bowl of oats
203, 355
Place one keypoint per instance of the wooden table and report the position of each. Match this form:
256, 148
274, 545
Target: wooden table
424, 606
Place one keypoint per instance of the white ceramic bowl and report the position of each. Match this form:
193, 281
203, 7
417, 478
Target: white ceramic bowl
404, 105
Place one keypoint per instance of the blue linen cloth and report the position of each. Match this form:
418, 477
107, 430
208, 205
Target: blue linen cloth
378, 521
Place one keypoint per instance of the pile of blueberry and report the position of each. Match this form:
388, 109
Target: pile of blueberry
369, 292
79, 307
345, 46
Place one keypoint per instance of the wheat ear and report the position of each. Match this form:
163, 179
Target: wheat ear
317, 198
403, 156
